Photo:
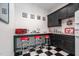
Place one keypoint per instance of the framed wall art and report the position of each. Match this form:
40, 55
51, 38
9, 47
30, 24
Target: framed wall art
24, 15
4, 12
32, 16
69, 22
38, 17
44, 18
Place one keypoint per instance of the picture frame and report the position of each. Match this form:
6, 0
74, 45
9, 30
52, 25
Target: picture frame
24, 15
32, 16
4, 12
69, 22
44, 18
38, 17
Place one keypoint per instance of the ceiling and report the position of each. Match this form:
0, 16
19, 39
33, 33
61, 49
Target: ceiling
50, 7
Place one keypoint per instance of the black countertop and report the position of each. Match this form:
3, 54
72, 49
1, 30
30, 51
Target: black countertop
33, 34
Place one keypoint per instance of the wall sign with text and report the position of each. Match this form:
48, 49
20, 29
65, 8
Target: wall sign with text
69, 30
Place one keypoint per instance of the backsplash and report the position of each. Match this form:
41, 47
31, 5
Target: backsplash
57, 30
67, 26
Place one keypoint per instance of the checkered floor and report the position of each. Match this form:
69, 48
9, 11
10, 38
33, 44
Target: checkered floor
51, 51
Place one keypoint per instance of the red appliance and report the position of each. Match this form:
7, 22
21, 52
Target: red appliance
21, 31
69, 30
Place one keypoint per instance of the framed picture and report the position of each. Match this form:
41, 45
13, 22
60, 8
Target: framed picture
69, 22
24, 15
32, 16
4, 12
44, 18
38, 17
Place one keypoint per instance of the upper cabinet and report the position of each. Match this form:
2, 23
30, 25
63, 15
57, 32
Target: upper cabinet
53, 19
50, 20
71, 8
62, 13
67, 11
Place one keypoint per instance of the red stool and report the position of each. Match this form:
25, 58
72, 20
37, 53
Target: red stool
47, 40
37, 40
24, 38
25, 43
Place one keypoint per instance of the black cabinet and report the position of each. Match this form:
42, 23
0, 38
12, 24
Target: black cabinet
71, 9
53, 20
67, 11
50, 20
60, 41
65, 42
69, 44
53, 40
62, 13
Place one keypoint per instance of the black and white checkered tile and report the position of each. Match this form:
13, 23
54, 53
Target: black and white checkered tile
51, 51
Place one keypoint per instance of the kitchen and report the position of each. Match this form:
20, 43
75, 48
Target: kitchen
46, 29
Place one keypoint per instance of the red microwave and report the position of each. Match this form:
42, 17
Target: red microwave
20, 31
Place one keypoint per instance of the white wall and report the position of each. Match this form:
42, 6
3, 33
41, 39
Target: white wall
64, 24
31, 24
17, 21
77, 33
6, 35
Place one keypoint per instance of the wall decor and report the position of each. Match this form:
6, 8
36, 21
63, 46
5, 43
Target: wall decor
69, 30
24, 15
44, 18
4, 12
32, 16
69, 22
38, 17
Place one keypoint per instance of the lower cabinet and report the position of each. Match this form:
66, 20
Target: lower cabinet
69, 44
53, 40
65, 42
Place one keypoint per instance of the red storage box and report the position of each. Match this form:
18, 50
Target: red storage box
21, 31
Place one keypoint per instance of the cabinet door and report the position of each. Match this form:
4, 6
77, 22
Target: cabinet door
55, 19
60, 41
51, 39
62, 13
54, 40
69, 45
50, 20
72, 42
71, 9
